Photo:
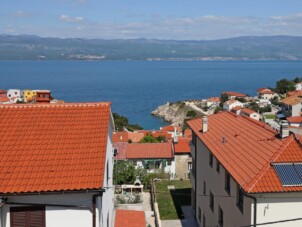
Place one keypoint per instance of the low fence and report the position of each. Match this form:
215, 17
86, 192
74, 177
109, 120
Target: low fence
154, 205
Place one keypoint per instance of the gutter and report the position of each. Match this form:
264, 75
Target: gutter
94, 216
255, 207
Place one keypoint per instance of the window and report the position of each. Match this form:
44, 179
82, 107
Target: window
240, 199
204, 187
211, 159
189, 165
220, 217
227, 183
199, 214
27, 216
134, 163
211, 201
107, 172
169, 162
217, 166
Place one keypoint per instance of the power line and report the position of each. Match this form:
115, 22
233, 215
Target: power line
273, 222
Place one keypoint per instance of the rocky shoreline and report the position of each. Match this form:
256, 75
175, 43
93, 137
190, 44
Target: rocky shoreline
176, 113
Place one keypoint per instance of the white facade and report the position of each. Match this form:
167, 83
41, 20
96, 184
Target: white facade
14, 93
228, 105
298, 86
60, 216
207, 180
169, 168
267, 96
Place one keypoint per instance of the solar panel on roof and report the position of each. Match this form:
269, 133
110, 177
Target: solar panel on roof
288, 174
298, 168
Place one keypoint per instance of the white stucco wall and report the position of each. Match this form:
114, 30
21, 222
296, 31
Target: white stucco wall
14, 93
215, 183
279, 206
56, 216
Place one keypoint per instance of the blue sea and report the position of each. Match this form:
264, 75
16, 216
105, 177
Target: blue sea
135, 88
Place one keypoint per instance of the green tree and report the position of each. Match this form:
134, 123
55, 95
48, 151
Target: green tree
149, 139
240, 99
224, 97
283, 86
191, 114
122, 122
297, 80
123, 172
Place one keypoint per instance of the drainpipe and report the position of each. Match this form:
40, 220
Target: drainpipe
94, 216
255, 207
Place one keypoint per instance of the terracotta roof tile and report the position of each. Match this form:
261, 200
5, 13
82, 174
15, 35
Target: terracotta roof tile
53, 147
297, 119
293, 93
182, 146
170, 128
232, 93
292, 100
149, 150
247, 111
214, 99
246, 148
265, 91
121, 150
129, 218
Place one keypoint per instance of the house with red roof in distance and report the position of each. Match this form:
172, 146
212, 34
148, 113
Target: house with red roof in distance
294, 93
56, 165
154, 157
15, 95
298, 86
182, 157
265, 93
250, 113
295, 121
172, 130
4, 100
132, 137
213, 101
236, 110
231, 104
233, 95
291, 106
244, 173
42, 96
3, 94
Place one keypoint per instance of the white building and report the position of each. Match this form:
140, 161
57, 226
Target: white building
298, 86
154, 157
14, 95
244, 174
265, 93
230, 104
250, 113
56, 167
292, 106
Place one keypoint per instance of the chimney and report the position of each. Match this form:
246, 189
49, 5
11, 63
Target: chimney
284, 129
204, 123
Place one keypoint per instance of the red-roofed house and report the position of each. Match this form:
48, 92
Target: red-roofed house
4, 100
244, 173
265, 93
295, 121
294, 93
56, 165
3, 94
231, 104
129, 218
152, 156
233, 95
292, 106
250, 113
183, 159
213, 101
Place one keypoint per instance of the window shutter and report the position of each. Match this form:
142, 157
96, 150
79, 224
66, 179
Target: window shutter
27, 216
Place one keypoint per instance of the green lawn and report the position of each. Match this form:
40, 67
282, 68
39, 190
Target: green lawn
270, 116
170, 201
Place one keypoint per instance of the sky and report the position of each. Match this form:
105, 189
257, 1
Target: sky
153, 19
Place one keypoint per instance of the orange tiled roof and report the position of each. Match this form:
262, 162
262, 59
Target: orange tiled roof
246, 148
149, 150
53, 147
265, 91
170, 128
231, 101
293, 93
237, 108
120, 137
247, 111
214, 99
4, 99
292, 100
188, 133
129, 218
182, 146
232, 93
121, 150
135, 137
297, 119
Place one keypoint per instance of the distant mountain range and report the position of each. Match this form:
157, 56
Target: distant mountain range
25, 47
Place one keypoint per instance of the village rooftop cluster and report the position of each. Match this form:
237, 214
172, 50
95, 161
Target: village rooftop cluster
59, 163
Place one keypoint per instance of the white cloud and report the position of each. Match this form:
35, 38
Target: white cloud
197, 28
66, 18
